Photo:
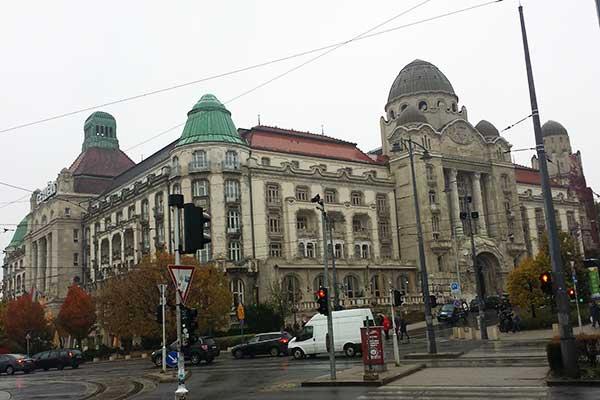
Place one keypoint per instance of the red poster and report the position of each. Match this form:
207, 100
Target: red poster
372, 345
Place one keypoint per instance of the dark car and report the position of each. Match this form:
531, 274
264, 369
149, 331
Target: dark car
491, 303
203, 349
273, 343
451, 313
59, 359
11, 363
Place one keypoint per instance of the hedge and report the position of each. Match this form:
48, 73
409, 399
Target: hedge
587, 347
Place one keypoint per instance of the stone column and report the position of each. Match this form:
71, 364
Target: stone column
34, 265
478, 203
49, 272
110, 260
41, 275
349, 253
136, 245
453, 182
533, 230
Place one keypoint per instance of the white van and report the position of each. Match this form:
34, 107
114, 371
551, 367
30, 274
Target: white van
346, 332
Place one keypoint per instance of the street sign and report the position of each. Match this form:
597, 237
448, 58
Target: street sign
240, 312
454, 286
172, 359
182, 279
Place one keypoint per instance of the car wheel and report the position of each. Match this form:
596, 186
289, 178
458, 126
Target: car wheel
238, 354
349, 350
10, 370
274, 352
298, 353
60, 367
195, 359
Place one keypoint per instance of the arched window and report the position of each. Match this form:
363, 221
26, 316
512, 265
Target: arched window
351, 286
291, 287
159, 203
236, 286
145, 210
200, 188
319, 282
175, 162
301, 249
176, 188
310, 250
377, 286
454, 107
402, 283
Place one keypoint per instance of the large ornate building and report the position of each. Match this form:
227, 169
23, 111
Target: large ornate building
104, 213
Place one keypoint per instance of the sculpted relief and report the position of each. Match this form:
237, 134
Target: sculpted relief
460, 134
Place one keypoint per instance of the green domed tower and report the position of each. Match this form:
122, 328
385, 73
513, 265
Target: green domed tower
209, 121
100, 131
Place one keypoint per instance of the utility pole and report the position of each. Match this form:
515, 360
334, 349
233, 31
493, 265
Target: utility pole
574, 277
321, 207
394, 327
336, 293
431, 345
460, 288
176, 201
478, 273
567, 341
163, 302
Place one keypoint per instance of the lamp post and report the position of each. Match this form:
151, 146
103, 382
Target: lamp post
408, 143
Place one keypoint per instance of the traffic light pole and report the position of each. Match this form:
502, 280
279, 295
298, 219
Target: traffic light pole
395, 328
576, 294
181, 391
326, 281
478, 277
336, 293
567, 341
163, 303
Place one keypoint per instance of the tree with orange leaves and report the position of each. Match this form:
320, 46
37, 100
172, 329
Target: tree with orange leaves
127, 302
77, 314
22, 316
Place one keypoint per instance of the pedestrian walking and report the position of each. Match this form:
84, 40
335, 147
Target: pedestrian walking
516, 326
595, 314
403, 330
387, 325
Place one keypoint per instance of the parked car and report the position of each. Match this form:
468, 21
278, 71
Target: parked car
11, 363
203, 349
346, 333
273, 343
59, 359
491, 303
452, 313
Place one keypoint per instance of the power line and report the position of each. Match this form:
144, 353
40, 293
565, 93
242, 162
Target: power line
247, 68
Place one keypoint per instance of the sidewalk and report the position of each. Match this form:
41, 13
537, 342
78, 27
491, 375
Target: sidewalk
544, 334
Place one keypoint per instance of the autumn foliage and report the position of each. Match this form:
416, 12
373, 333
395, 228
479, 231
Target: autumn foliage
127, 303
21, 316
77, 314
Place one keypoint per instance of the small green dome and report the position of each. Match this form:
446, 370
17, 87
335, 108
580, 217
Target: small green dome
209, 121
19, 235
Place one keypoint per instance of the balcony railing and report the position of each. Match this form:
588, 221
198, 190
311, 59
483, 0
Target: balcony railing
230, 166
232, 198
199, 166
349, 302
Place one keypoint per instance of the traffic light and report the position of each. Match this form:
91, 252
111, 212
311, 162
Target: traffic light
546, 283
432, 301
195, 224
188, 321
571, 293
323, 301
159, 318
398, 297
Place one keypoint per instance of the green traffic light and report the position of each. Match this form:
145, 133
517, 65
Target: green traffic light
581, 299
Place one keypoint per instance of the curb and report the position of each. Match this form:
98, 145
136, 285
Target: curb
323, 381
427, 356
573, 382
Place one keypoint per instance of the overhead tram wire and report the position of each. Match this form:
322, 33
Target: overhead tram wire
243, 69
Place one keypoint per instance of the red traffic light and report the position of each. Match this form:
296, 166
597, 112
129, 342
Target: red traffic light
321, 294
545, 277
571, 292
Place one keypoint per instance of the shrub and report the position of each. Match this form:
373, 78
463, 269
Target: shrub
90, 354
587, 347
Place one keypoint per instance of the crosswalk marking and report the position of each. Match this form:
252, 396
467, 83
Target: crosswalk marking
456, 392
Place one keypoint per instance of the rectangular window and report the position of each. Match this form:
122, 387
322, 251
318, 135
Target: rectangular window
231, 160
107, 223
275, 249
130, 212
339, 250
273, 194
356, 198
75, 235
233, 221
302, 193
435, 226
432, 197
310, 250
232, 190
301, 223
440, 263
384, 230
200, 188
330, 196
382, 206
204, 255
75, 259
235, 251
160, 232
357, 226
558, 222
266, 161
274, 224
539, 217
67, 212
119, 217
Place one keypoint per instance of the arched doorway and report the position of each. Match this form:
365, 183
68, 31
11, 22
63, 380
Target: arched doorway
490, 268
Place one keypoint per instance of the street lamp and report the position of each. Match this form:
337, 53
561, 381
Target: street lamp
408, 143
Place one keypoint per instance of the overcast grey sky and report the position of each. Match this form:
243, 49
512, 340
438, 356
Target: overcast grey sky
58, 56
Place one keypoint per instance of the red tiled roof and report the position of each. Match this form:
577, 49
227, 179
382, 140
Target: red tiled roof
530, 176
101, 163
84, 184
304, 143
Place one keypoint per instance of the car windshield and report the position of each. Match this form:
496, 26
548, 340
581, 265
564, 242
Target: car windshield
448, 307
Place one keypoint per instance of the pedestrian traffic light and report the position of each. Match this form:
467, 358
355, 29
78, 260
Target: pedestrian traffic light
159, 318
323, 301
398, 298
432, 301
195, 225
571, 293
546, 283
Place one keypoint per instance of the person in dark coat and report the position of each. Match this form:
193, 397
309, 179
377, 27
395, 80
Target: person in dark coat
403, 330
595, 314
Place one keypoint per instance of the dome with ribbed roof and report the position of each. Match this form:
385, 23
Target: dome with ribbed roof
553, 128
411, 115
19, 235
420, 76
487, 129
209, 121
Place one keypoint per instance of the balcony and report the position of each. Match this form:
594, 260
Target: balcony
435, 208
362, 233
354, 302
230, 166
439, 244
233, 230
232, 198
198, 166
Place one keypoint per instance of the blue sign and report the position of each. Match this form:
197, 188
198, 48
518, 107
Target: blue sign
172, 359
454, 286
